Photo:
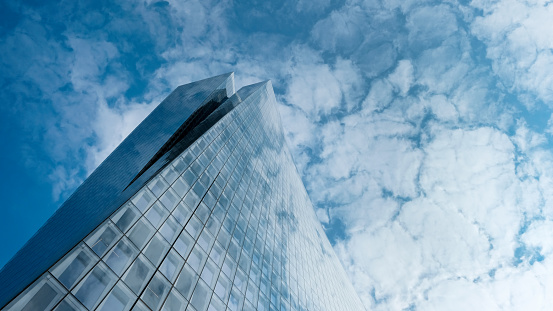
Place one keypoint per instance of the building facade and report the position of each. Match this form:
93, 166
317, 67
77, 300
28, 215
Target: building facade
200, 208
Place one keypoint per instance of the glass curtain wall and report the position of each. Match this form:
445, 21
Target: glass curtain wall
227, 225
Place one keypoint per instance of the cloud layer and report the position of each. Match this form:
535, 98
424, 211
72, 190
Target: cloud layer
422, 130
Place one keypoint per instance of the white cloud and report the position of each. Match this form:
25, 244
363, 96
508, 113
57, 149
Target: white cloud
111, 126
518, 43
402, 77
397, 126
459, 294
342, 30
429, 26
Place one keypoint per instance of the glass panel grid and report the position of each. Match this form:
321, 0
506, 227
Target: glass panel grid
227, 224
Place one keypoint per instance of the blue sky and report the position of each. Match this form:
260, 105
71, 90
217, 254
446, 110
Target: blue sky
422, 129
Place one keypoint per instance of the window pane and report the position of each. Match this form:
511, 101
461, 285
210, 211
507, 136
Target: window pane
194, 227
140, 306
196, 259
121, 256
95, 286
157, 290
206, 241
119, 299
103, 238
169, 199
75, 265
125, 217
184, 244
157, 214
186, 281
158, 186
138, 274
216, 304
70, 304
201, 296
42, 295
171, 265
182, 213
217, 254
222, 289
209, 273
170, 174
156, 249
174, 302
141, 233
143, 199
170, 229
181, 187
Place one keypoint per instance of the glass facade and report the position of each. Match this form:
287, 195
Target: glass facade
225, 225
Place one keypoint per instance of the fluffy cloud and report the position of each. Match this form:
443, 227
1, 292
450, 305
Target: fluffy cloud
439, 186
417, 127
518, 44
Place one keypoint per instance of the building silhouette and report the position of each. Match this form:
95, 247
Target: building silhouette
200, 207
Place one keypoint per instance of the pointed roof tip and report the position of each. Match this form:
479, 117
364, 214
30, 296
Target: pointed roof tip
223, 76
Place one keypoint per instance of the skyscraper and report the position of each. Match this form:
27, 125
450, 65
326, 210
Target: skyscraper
200, 207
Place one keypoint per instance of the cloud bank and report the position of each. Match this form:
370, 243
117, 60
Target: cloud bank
421, 129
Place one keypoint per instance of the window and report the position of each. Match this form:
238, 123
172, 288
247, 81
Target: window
156, 249
138, 274
171, 265
119, 299
121, 256
156, 291
201, 296
141, 233
103, 238
125, 217
186, 281
42, 295
95, 286
74, 265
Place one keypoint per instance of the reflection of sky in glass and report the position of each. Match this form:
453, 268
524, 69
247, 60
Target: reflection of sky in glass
93, 287
244, 234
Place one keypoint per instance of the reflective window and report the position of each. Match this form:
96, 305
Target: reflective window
181, 187
75, 265
42, 295
200, 297
70, 304
157, 214
121, 256
158, 186
216, 304
156, 249
119, 299
209, 273
125, 217
182, 213
197, 259
193, 227
141, 232
184, 244
169, 174
138, 274
95, 286
156, 291
140, 306
170, 229
186, 281
103, 238
175, 302
171, 266
170, 199
143, 199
